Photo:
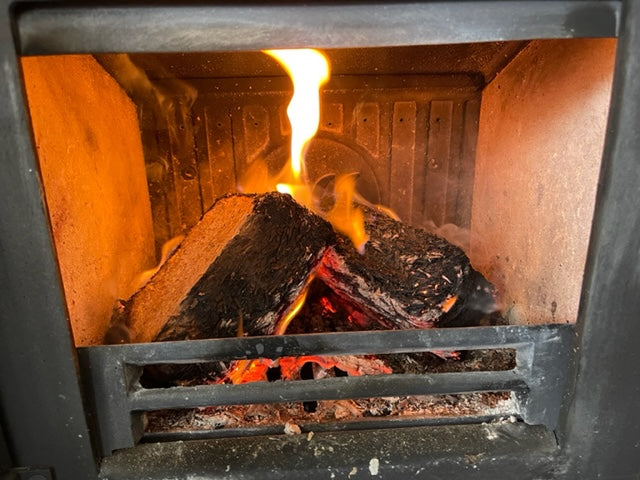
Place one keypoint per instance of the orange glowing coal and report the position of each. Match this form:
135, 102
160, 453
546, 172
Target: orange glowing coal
309, 70
247, 371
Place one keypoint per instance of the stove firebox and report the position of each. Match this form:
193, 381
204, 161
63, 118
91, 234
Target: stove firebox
517, 143
469, 141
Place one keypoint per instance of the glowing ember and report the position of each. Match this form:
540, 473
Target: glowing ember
246, 371
449, 303
327, 305
352, 365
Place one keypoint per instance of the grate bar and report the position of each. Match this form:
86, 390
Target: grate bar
366, 423
348, 343
326, 389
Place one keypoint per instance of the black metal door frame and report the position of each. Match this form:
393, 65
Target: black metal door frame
42, 412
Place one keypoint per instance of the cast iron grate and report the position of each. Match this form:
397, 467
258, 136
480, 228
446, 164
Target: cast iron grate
112, 373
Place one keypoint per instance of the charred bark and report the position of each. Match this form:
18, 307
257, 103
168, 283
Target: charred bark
407, 277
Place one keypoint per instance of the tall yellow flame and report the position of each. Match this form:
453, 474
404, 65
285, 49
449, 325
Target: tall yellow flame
309, 70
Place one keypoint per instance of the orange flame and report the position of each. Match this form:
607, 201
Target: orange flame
346, 218
309, 70
292, 312
448, 303
247, 371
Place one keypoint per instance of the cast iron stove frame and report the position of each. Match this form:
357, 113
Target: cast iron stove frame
45, 417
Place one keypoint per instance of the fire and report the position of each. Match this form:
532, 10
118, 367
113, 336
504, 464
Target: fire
168, 248
247, 371
309, 70
449, 303
346, 218
292, 312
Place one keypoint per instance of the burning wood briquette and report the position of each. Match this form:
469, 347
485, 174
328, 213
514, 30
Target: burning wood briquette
246, 268
240, 268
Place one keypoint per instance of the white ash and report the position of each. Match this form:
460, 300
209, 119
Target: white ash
293, 416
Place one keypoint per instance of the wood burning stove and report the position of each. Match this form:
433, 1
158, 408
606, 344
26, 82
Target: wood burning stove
72, 410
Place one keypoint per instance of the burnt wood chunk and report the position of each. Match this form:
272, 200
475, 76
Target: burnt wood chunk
237, 271
407, 277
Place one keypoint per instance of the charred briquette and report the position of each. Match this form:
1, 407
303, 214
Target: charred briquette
407, 277
258, 276
237, 271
